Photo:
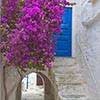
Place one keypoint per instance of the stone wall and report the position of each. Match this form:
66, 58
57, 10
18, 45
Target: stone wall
69, 79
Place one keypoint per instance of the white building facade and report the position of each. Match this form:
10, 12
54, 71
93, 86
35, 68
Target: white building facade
88, 44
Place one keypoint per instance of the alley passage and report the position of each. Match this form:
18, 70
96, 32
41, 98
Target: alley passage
36, 93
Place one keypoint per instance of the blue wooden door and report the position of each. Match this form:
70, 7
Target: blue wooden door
63, 46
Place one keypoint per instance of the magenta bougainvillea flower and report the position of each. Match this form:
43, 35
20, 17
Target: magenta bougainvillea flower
29, 43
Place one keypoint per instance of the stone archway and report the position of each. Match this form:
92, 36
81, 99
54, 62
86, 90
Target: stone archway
50, 90
13, 79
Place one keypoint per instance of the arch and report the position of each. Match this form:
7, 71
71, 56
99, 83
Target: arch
50, 87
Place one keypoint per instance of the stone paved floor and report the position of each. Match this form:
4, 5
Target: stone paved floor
35, 93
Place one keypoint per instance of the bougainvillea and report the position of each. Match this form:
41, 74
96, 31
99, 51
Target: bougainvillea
29, 43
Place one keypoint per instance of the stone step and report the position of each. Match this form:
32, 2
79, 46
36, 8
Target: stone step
70, 78
73, 94
71, 84
74, 97
65, 62
74, 84
66, 70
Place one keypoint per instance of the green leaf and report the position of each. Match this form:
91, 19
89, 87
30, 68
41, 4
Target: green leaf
30, 64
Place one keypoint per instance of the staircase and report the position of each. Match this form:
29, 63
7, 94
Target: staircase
71, 84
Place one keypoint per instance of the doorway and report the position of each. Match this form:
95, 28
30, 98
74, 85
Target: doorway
30, 88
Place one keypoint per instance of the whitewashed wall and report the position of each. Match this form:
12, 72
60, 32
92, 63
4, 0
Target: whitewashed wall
88, 44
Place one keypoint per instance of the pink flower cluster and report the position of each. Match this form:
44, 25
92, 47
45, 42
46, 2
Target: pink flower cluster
30, 42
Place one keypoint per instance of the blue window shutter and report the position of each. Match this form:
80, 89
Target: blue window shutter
63, 47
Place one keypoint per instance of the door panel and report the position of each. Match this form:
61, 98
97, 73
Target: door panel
63, 45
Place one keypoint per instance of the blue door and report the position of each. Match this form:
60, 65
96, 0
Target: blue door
63, 46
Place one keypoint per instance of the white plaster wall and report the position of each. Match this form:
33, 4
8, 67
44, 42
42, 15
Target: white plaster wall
75, 23
88, 44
